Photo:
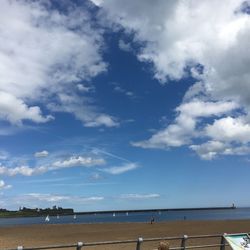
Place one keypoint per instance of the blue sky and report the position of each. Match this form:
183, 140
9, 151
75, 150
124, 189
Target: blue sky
111, 106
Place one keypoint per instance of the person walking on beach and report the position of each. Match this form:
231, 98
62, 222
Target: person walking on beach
152, 220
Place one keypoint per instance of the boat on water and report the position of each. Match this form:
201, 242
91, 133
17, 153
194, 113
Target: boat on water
47, 218
126, 213
74, 217
113, 214
57, 216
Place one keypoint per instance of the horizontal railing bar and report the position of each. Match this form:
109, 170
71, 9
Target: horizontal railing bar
131, 241
163, 238
109, 242
44, 247
196, 247
189, 237
205, 246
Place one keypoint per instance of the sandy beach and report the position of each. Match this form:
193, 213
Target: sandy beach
40, 235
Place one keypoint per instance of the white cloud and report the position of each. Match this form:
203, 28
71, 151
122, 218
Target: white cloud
78, 161
185, 127
83, 88
121, 169
97, 2
166, 28
47, 197
217, 54
119, 89
209, 150
90, 116
4, 186
139, 196
22, 170
74, 161
40, 154
57, 198
229, 129
212, 149
124, 46
15, 110
43, 53
102, 120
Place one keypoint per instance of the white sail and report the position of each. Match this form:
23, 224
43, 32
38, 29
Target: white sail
113, 214
47, 218
127, 214
74, 216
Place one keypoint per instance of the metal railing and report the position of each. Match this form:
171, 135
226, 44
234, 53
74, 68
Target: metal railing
138, 243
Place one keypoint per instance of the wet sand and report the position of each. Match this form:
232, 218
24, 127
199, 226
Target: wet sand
40, 235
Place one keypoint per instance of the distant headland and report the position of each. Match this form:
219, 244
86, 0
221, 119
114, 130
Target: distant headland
32, 212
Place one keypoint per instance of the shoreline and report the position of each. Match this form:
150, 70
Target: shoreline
54, 234
158, 210
16, 214
120, 223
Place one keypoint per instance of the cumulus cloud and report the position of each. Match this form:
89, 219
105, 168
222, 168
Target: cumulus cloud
45, 52
4, 186
216, 54
184, 128
212, 149
209, 150
230, 129
15, 110
40, 154
139, 196
121, 169
22, 170
74, 161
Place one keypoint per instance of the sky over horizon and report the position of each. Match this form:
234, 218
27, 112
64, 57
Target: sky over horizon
106, 105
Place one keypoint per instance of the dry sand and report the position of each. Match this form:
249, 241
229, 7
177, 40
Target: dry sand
40, 235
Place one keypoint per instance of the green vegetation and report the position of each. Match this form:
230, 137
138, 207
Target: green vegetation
32, 212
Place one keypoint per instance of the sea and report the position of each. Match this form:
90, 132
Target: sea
123, 217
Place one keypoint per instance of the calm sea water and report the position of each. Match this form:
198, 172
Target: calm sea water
224, 214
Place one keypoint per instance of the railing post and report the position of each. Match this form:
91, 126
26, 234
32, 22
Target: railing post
79, 245
222, 242
139, 241
20, 248
183, 242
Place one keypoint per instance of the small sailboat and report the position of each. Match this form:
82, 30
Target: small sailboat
74, 217
127, 214
57, 217
113, 214
47, 218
